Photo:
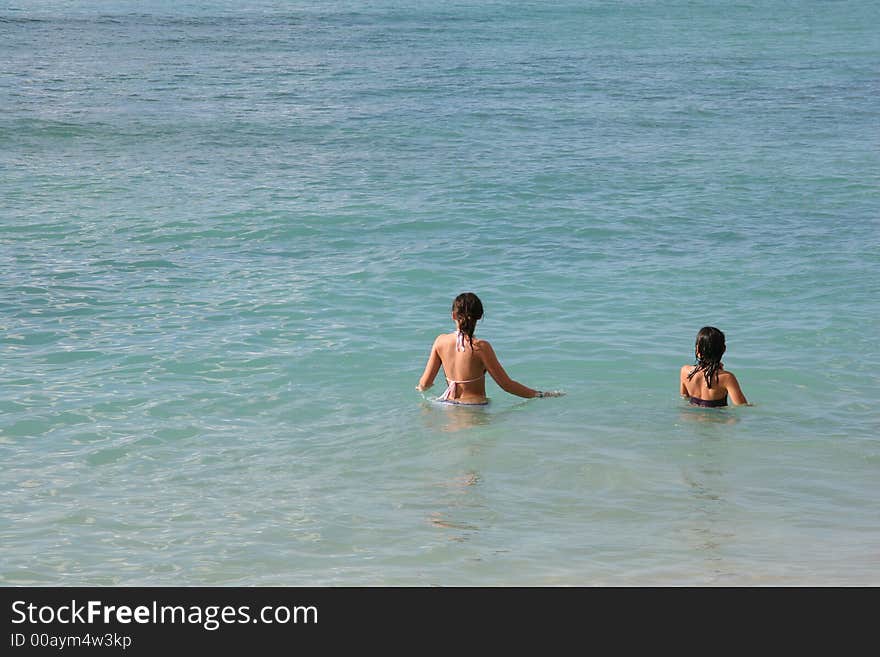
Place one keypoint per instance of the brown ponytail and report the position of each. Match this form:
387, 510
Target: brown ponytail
467, 309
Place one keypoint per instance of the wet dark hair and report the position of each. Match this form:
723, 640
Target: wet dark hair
708, 350
467, 309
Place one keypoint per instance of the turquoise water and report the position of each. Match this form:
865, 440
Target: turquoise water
230, 232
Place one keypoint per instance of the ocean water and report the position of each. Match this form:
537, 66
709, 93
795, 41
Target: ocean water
229, 232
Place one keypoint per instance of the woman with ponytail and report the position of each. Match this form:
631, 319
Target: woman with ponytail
466, 359
707, 383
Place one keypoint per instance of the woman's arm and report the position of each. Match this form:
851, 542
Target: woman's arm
682, 380
733, 389
431, 369
494, 368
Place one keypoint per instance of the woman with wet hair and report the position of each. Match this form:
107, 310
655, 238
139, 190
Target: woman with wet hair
466, 359
707, 383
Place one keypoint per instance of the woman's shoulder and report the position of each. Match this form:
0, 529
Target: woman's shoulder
726, 375
443, 338
727, 379
480, 344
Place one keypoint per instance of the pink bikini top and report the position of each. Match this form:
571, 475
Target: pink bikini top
452, 388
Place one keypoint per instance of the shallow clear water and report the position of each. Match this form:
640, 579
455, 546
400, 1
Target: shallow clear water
229, 233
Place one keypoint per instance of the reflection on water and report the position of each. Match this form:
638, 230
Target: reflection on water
454, 417
690, 413
457, 494
709, 530
459, 506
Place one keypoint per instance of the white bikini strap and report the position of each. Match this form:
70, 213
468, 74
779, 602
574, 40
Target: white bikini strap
452, 388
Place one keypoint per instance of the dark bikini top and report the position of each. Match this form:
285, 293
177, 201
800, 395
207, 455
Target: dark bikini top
709, 403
